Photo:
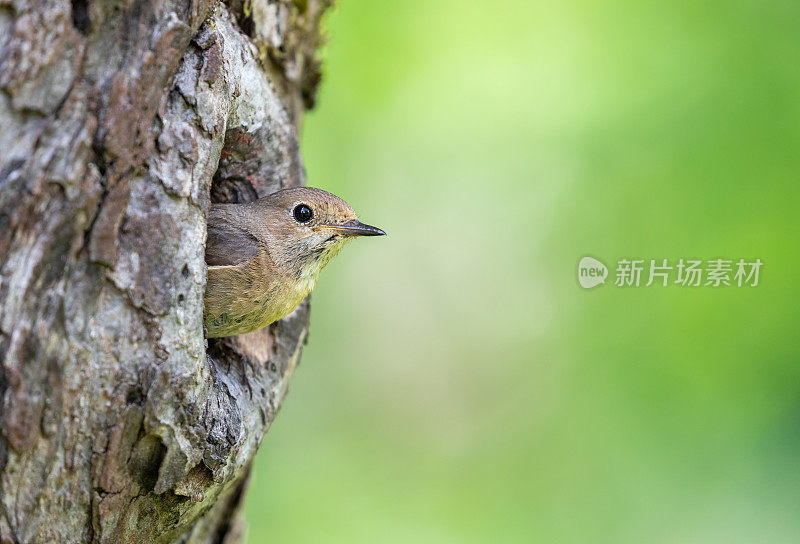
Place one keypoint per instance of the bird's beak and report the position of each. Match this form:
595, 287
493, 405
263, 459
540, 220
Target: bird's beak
355, 228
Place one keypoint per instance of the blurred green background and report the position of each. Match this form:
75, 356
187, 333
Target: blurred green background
458, 385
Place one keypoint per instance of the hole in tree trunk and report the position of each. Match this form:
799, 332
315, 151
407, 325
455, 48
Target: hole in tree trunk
146, 459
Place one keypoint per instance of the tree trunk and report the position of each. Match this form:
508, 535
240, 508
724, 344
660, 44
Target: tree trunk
120, 121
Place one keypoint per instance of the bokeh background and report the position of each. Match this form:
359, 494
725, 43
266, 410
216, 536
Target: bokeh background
458, 385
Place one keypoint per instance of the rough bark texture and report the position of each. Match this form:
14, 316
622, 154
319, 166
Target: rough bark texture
120, 121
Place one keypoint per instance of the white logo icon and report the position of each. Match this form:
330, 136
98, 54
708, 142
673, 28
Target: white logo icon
591, 272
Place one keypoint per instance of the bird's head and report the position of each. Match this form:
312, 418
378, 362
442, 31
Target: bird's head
308, 227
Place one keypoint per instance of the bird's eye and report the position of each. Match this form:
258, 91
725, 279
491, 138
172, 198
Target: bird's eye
303, 213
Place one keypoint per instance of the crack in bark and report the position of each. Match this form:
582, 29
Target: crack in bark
80, 15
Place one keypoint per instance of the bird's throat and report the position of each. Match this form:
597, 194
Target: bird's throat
311, 268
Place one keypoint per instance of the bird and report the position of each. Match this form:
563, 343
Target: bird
264, 257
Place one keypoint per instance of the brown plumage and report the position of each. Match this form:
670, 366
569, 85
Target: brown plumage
264, 257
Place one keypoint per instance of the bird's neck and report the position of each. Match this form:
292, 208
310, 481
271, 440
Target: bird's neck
310, 269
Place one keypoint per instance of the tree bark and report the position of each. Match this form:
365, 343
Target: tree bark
120, 121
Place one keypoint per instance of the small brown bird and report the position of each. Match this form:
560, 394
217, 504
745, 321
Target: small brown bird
264, 257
